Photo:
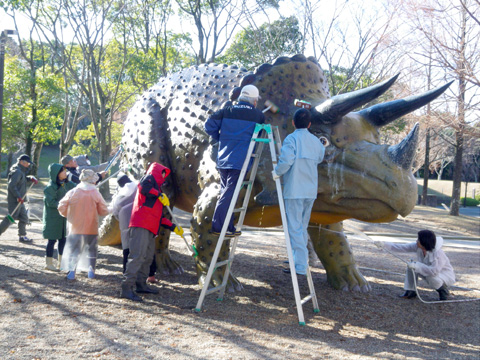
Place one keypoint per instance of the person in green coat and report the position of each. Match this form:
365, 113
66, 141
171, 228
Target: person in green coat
54, 224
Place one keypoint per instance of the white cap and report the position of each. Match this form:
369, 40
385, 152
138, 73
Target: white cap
250, 91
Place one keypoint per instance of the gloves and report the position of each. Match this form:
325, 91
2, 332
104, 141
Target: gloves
178, 230
32, 179
275, 175
164, 199
412, 264
379, 244
20, 200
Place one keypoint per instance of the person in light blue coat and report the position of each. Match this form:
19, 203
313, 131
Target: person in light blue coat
299, 158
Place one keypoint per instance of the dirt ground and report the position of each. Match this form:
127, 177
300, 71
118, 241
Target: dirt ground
44, 316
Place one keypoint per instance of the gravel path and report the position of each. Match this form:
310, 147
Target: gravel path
43, 316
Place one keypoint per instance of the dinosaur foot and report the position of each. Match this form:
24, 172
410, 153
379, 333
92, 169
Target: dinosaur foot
348, 278
167, 266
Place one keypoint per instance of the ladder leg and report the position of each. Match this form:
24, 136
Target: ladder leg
275, 141
312, 291
296, 289
211, 269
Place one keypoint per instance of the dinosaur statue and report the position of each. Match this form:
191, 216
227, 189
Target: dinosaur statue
359, 179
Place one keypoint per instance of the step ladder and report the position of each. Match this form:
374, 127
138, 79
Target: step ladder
271, 136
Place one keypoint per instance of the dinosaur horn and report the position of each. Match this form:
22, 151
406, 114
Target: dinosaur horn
331, 110
402, 154
383, 114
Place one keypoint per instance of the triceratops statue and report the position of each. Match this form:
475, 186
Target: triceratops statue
359, 179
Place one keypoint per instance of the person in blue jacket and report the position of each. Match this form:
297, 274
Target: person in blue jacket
232, 127
299, 158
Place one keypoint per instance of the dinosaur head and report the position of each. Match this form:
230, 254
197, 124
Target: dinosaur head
360, 178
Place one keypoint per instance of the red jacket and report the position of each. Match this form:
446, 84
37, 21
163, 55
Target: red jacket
147, 209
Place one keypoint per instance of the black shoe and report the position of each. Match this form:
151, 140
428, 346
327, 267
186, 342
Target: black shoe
287, 271
228, 233
443, 292
24, 239
409, 294
130, 295
146, 290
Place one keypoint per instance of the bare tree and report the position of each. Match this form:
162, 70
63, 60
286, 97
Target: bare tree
353, 42
456, 53
216, 21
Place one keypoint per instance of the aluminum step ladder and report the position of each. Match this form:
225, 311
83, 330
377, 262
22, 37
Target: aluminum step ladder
272, 137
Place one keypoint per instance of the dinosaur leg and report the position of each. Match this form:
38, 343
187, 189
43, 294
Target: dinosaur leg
205, 242
334, 252
165, 264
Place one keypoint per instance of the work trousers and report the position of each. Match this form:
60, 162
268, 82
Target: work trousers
228, 182
142, 246
20, 215
298, 215
434, 282
153, 265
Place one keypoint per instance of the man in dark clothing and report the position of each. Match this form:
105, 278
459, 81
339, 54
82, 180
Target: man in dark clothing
73, 173
17, 188
232, 127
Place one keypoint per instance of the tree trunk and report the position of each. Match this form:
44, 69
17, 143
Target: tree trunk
426, 168
459, 135
36, 158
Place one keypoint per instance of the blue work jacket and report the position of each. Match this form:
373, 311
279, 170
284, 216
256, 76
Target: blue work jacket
298, 162
233, 128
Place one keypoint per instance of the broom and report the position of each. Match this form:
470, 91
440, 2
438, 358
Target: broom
10, 217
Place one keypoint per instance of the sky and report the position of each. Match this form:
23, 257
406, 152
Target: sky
6, 23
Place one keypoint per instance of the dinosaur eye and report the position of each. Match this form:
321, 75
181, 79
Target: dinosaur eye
324, 141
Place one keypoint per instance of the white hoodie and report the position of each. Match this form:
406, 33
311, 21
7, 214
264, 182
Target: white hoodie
433, 264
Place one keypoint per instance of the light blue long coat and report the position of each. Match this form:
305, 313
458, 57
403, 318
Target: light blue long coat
300, 155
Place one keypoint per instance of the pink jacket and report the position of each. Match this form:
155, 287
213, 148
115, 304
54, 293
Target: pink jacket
82, 206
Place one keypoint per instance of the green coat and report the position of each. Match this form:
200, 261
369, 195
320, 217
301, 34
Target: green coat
54, 224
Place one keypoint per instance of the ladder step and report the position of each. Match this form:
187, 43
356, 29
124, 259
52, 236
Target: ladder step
306, 299
222, 263
239, 210
215, 289
249, 182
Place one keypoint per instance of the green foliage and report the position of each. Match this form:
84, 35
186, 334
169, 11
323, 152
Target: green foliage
342, 80
253, 47
87, 143
144, 69
470, 201
33, 102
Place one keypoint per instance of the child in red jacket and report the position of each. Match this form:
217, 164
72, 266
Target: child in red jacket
144, 226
